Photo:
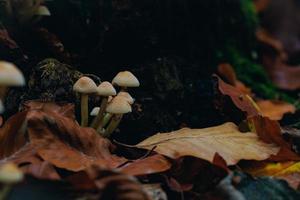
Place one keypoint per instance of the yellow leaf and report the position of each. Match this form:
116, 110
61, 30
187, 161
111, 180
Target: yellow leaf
226, 140
274, 169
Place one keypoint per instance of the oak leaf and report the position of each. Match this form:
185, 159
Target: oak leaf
226, 140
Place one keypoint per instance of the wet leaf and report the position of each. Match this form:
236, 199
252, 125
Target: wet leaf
226, 140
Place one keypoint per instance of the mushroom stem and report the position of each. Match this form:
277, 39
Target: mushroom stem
98, 119
84, 109
5, 191
104, 122
116, 119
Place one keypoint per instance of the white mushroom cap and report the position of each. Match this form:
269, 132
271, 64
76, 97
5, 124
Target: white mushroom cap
1, 107
10, 173
106, 89
85, 85
10, 75
95, 111
127, 96
118, 105
126, 79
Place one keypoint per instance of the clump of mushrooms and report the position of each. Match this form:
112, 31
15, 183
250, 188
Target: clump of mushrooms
10, 75
112, 109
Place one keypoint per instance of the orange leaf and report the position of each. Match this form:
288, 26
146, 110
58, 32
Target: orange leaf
274, 109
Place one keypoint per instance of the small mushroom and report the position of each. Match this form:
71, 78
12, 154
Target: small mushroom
105, 89
9, 175
42, 11
107, 117
125, 79
118, 106
10, 75
127, 96
95, 111
85, 86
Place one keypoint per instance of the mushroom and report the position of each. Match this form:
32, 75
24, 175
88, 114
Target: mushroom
127, 96
108, 116
105, 89
9, 175
42, 11
118, 106
95, 111
125, 79
85, 86
10, 75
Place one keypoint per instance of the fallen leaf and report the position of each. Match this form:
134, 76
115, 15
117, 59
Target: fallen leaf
109, 184
242, 101
261, 5
149, 165
269, 131
285, 76
226, 140
282, 74
274, 109
227, 72
288, 171
263, 187
46, 136
264, 37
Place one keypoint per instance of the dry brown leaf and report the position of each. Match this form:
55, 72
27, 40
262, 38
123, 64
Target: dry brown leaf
226, 140
226, 71
267, 39
149, 165
274, 109
285, 76
269, 131
241, 100
50, 137
108, 184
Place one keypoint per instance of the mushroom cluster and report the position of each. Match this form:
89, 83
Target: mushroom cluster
10, 75
113, 105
